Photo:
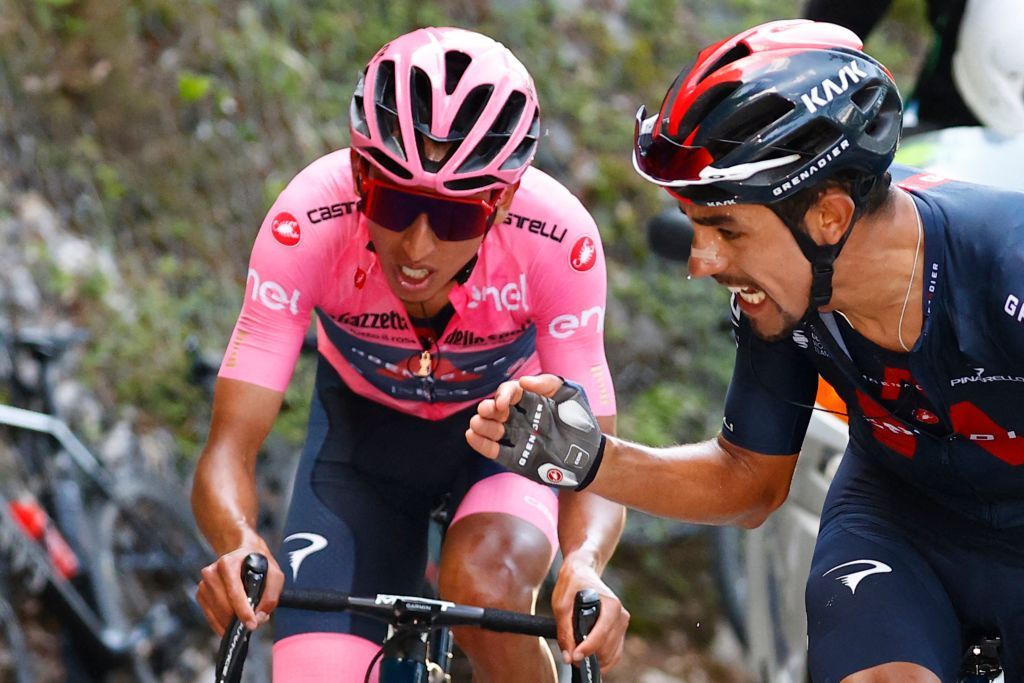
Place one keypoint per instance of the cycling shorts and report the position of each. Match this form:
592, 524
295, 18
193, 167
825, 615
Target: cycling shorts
364, 491
897, 577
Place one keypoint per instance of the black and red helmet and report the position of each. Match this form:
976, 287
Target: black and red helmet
772, 110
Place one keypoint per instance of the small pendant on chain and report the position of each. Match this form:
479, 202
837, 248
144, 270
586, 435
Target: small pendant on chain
425, 365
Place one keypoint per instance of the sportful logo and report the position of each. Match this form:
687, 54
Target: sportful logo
272, 295
295, 557
848, 75
852, 579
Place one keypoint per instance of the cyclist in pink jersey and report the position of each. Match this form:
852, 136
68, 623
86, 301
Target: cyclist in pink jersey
436, 264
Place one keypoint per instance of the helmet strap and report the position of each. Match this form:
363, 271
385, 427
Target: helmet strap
823, 256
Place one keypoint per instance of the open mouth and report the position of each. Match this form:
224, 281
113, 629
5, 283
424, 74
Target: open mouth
413, 277
415, 273
752, 295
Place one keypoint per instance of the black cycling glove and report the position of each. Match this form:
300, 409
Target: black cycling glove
553, 440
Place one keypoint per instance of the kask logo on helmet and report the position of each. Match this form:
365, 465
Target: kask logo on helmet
848, 75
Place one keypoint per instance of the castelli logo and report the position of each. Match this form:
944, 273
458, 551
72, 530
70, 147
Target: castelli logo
286, 229
554, 476
926, 416
583, 255
360, 278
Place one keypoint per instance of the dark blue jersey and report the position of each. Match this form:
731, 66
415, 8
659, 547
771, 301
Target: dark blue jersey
947, 419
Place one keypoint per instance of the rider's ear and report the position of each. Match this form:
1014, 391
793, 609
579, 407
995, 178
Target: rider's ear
506, 195
829, 218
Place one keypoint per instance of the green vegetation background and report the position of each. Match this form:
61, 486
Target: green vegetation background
162, 130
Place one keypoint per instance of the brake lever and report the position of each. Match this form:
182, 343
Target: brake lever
586, 610
235, 643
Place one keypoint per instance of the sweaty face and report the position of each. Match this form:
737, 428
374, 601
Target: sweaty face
748, 249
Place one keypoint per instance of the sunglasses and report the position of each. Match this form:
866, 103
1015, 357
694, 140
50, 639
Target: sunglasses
453, 219
662, 161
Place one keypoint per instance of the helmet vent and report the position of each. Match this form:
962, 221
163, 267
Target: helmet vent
356, 113
455, 65
702, 107
889, 116
508, 118
470, 111
747, 122
386, 109
524, 152
422, 99
868, 99
387, 163
735, 54
498, 136
473, 183
812, 139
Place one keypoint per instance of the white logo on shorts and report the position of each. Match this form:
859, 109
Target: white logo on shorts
853, 578
295, 557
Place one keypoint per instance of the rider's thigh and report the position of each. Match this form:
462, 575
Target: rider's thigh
872, 599
492, 488
323, 658
348, 530
494, 559
893, 672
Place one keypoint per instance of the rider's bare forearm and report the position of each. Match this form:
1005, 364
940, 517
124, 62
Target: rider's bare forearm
224, 500
712, 482
224, 494
589, 526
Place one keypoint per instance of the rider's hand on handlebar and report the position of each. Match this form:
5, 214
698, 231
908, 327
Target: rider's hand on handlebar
607, 636
222, 596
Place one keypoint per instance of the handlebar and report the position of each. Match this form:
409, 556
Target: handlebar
401, 610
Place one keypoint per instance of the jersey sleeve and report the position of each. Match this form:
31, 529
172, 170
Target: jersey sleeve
571, 286
284, 281
768, 404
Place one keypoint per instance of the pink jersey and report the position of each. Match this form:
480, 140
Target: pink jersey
535, 301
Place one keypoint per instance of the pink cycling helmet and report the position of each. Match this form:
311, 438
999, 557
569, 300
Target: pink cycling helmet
450, 86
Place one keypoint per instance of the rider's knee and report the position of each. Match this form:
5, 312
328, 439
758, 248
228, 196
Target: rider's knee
501, 568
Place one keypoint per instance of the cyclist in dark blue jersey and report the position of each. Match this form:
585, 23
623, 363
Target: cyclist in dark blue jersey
904, 291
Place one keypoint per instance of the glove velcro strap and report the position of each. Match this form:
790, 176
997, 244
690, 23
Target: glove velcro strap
593, 468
